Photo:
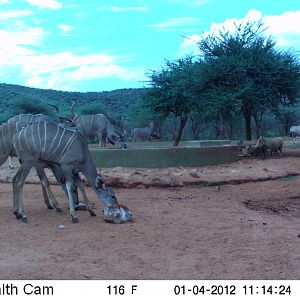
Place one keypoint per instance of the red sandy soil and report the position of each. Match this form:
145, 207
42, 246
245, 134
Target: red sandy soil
246, 225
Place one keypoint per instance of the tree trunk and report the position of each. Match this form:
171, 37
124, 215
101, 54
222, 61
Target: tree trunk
286, 129
257, 120
194, 127
230, 130
257, 126
247, 115
287, 124
183, 120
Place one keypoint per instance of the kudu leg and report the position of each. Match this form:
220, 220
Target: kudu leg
102, 139
80, 184
58, 175
46, 186
69, 184
18, 183
45, 195
10, 163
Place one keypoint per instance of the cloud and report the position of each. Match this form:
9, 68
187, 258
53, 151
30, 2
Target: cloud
29, 36
65, 28
284, 29
14, 14
189, 45
2, 2
175, 23
52, 4
13, 49
190, 2
124, 9
20, 57
288, 22
65, 71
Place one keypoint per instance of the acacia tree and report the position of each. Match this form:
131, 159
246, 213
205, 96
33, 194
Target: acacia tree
171, 92
246, 66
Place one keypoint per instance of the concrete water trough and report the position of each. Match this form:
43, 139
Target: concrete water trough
207, 143
164, 157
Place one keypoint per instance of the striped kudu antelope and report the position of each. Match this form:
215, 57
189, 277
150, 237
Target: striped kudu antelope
144, 132
99, 125
7, 133
49, 145
32, 119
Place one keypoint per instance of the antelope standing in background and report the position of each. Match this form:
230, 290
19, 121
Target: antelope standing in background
49, 145
100, 126
144, 132
96, 125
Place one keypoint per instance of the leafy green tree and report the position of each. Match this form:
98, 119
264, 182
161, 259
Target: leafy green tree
28, 106
91, 109
245, 73
170, 92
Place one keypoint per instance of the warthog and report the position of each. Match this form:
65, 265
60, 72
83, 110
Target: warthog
271, 145
256, 151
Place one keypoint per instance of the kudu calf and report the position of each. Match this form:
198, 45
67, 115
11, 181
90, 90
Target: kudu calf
49, 145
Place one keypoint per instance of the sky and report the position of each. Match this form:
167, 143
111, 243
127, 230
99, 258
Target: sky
97, 45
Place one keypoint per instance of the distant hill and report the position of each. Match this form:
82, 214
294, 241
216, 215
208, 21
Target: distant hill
116, 102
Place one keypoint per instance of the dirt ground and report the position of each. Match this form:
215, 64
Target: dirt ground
234, 221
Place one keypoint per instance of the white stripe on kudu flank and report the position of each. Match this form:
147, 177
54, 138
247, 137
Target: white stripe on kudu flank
58, 145
45, 136
9, 135
18, 139
92, 119
69, 143
39, 135
33, 141
7, 141
54, 140
17, 127
25, 137
82, 122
